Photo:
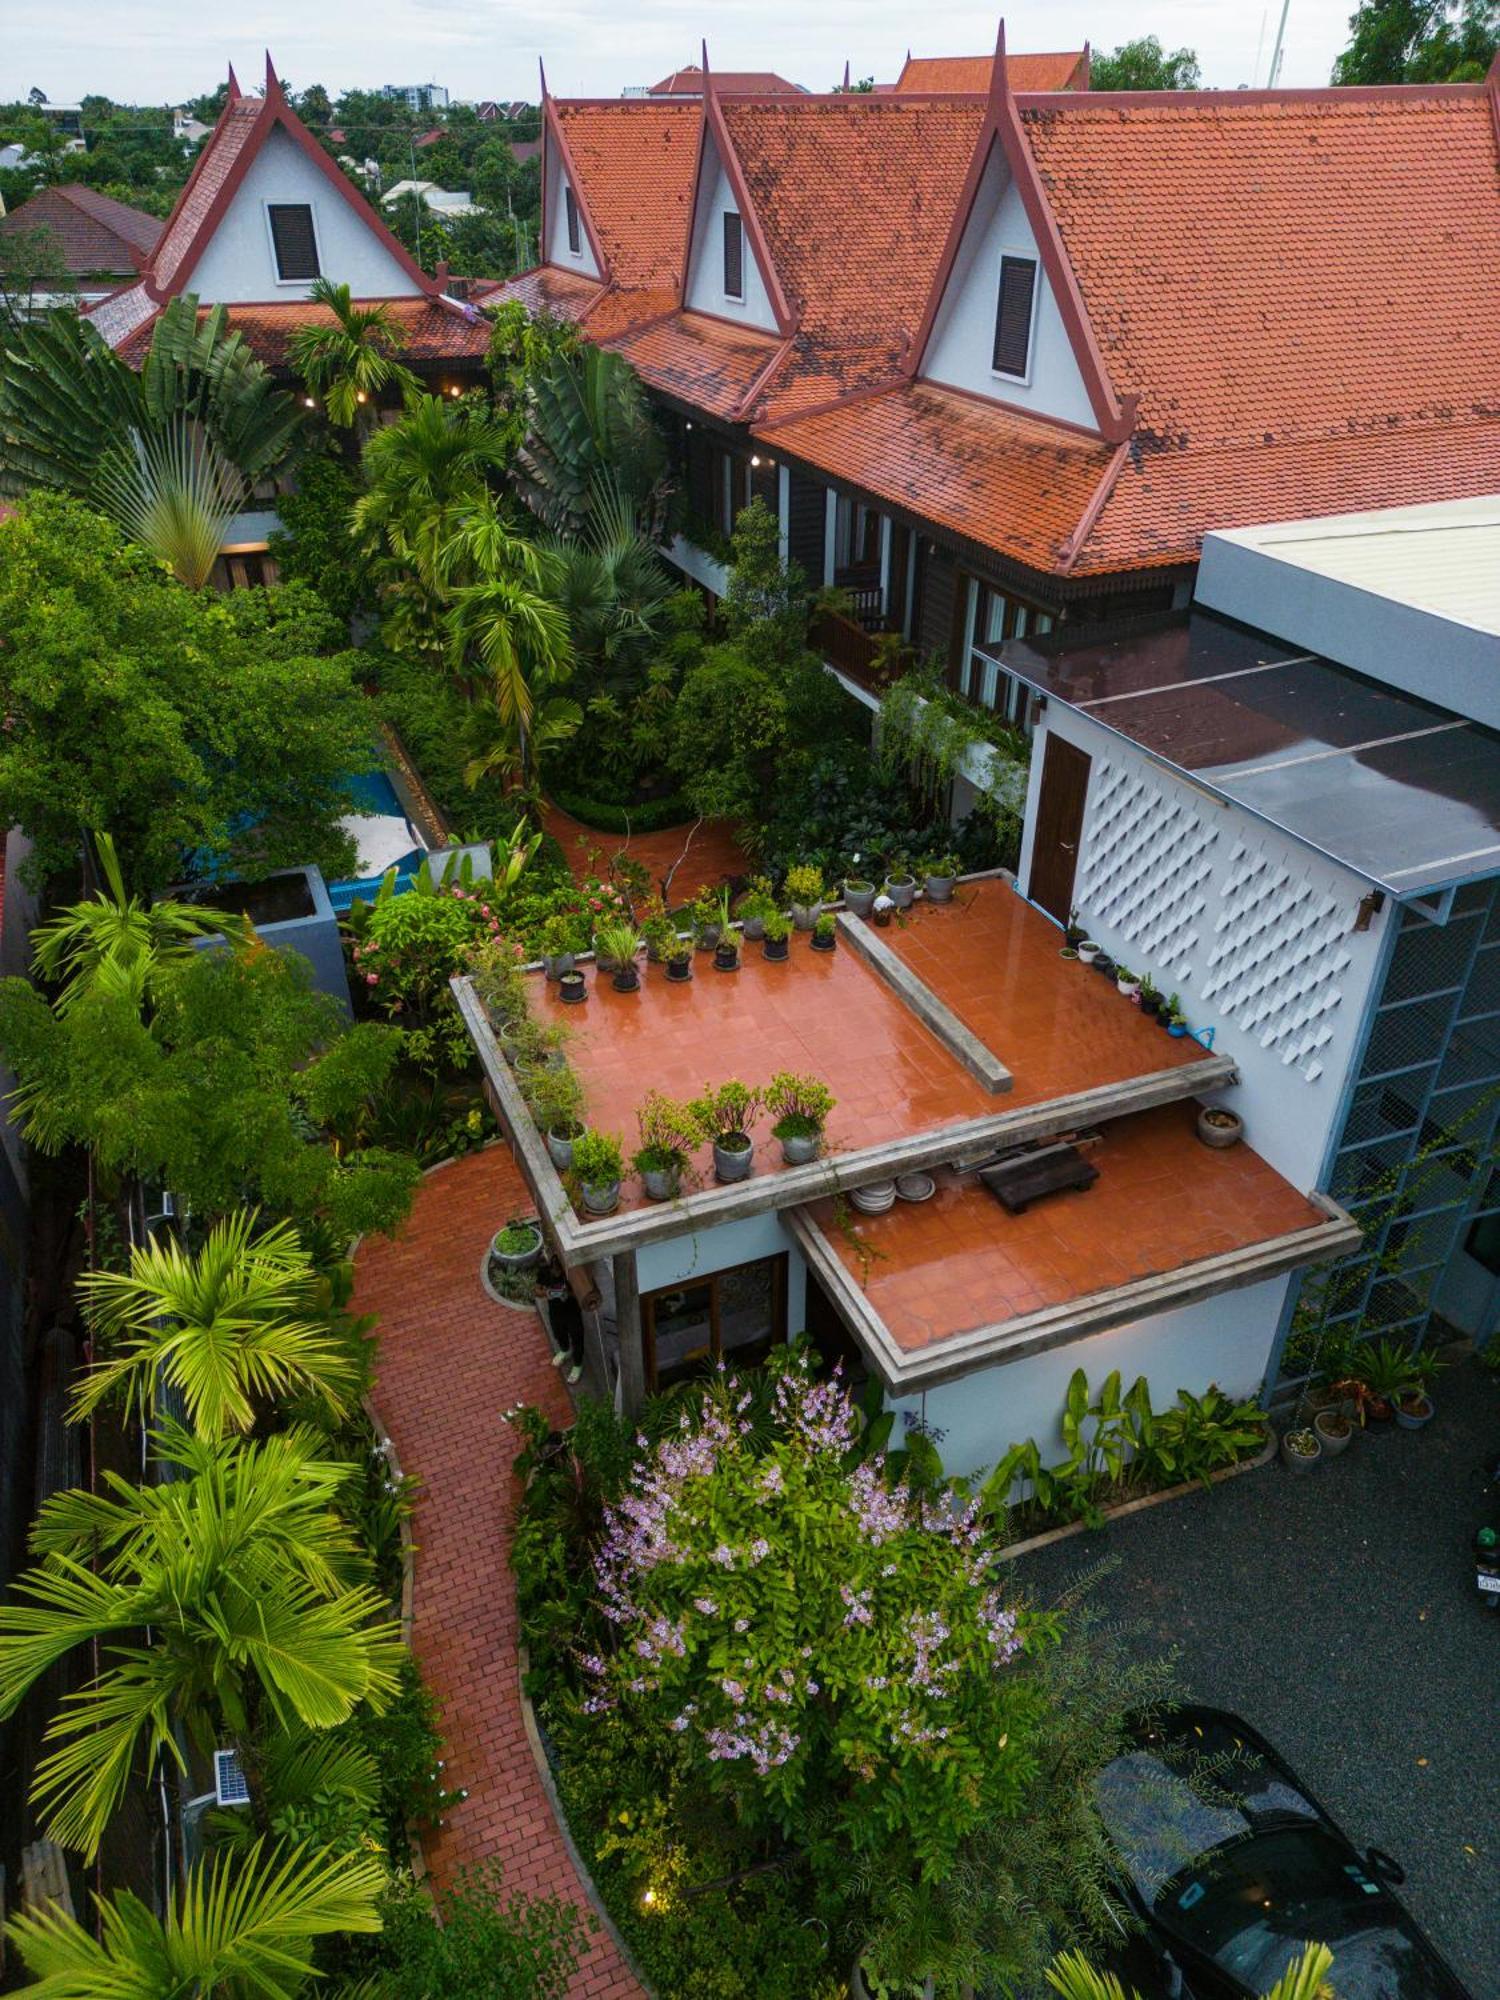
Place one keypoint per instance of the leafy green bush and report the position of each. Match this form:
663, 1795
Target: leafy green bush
649, 817
315, 544
412, 945
480, 1944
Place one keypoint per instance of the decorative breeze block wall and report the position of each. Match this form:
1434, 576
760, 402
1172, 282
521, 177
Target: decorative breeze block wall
1264, 945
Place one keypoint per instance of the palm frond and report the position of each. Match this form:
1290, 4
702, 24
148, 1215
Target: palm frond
172, 490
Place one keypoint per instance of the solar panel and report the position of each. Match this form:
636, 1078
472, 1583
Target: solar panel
230, 1788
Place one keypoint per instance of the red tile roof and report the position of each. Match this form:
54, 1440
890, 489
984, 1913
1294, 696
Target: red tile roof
434, 332
757, 82
634, 164
1007, 481
1067, 69
563, 294
703, 361
233, 133
94, 233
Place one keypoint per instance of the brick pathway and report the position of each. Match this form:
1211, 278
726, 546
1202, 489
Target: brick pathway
450, 1361
712, 857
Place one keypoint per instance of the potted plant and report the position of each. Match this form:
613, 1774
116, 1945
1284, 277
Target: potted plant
900, 883
800, 1105
560, 941
859, 895
1218, 1126
555, 1100
1088, 951
616, 945
755, 906
1073, 932
724, 1116
598, 1168
1390, 1374
1174, 1019
517, 1246
1105, 965
1150, 999
1335, 1430
825, 935
939, 873
804, 888
660, 934
667, 1139
572, 987
727, 952
882, 910
1300, 1450
1127, 981
707, 919
778, 944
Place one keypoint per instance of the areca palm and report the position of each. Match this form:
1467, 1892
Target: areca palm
1306, 1978
240, 1925
512, 618
612, 587
230, 1327
350, 360
255, 1597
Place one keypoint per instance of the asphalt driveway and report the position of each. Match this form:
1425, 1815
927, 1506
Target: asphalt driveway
1338, 1614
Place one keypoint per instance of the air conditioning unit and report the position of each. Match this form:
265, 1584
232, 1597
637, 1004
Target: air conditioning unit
230, 1788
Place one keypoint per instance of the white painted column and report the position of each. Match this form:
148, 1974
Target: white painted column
830, 533
784, 508
885, 561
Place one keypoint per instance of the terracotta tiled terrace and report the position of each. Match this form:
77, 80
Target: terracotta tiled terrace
1162, 1201
1057, 1027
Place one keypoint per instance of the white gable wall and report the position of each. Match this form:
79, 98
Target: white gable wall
557, 252
705, 285
962, 344
239, 265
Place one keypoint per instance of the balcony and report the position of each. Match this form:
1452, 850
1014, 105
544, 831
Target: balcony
851, 641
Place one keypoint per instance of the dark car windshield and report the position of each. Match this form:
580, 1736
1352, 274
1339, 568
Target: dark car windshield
1253, 1905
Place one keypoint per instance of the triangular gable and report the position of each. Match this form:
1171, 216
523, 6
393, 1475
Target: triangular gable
719, 188
264, 143
1003, 175
559, 178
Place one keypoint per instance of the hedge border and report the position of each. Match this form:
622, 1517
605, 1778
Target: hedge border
655, 816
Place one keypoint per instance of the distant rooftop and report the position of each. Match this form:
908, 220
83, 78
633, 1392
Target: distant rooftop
688, 82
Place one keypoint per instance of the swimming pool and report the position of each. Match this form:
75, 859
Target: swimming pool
383, 835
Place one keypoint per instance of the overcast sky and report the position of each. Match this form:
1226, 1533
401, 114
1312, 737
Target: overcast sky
160, 51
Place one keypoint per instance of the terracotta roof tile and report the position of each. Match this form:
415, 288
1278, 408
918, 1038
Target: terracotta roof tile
1063, 70
758, 82
635, 162
619, 309
563, 294
123, 314
93, 232
211, 171
433, 332
990, 475
703, 361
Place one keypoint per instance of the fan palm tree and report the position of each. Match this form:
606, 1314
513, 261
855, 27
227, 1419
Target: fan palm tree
241, 1925
229, 1328
175, 493
612, 587
349, 361
589, 428
115, 933
1306, 1978
255, 1597
512, 620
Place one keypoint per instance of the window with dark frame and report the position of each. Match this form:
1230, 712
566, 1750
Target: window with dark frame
734, 256
1013, 316
293, 239
737, 1315
570, 209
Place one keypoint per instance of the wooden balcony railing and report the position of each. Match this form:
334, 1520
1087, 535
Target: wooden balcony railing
861, 583
854, 651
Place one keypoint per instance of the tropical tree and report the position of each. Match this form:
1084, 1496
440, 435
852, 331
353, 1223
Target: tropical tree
613, 591
229, 1328
589, 435
241, 1925
256, 1600
349, 359
511, 620
1420, 41
1145, 65
1306, 1978
116, 938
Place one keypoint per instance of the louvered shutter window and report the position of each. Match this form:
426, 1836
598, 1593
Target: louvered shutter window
734, 257
1013, 315
570, 204
295, 244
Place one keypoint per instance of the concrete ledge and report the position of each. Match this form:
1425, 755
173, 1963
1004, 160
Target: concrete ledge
981, 1063
905, 1370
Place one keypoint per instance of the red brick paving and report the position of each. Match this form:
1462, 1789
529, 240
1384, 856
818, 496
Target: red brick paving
450, 1361
714, 853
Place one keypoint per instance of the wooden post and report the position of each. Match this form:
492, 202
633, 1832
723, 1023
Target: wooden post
628, 1329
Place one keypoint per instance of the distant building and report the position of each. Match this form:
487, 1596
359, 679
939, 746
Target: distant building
187, 128
1065, 69
99, 242
688, 82
441, 201
417, 96
491, 110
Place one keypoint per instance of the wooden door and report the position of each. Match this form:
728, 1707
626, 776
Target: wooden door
1059, 823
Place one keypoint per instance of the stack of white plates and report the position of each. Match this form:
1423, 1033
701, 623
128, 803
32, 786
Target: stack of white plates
875, 1199
916, 1187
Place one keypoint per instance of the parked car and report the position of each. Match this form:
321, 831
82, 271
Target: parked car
1232, 1865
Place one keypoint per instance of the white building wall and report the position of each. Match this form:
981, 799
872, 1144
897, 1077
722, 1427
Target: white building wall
705, 283
556, 250
962, 344
1224, 1340
1254, 933
239, 265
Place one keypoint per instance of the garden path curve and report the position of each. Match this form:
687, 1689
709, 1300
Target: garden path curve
714, 854
451, 1360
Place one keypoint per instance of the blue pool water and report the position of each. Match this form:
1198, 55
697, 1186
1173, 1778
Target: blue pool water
372, 796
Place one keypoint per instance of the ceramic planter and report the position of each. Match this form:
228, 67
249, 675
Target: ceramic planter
1150, 1004
777, 949
602, 1198
1129, 987
939, 888
829, 943
661, 1183
733, 1162
805, 915
708, 936
627, 979
1214, 1131
726, 956
1088, 951
1300, 1461
1104, 965
571, 987
679, 968
1073, 935
556, 963
1412, 1419
518, 1260
560, 1147
902, 890
754, 927
799, 1152
1176, 1028
1335, 1432
859, 898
